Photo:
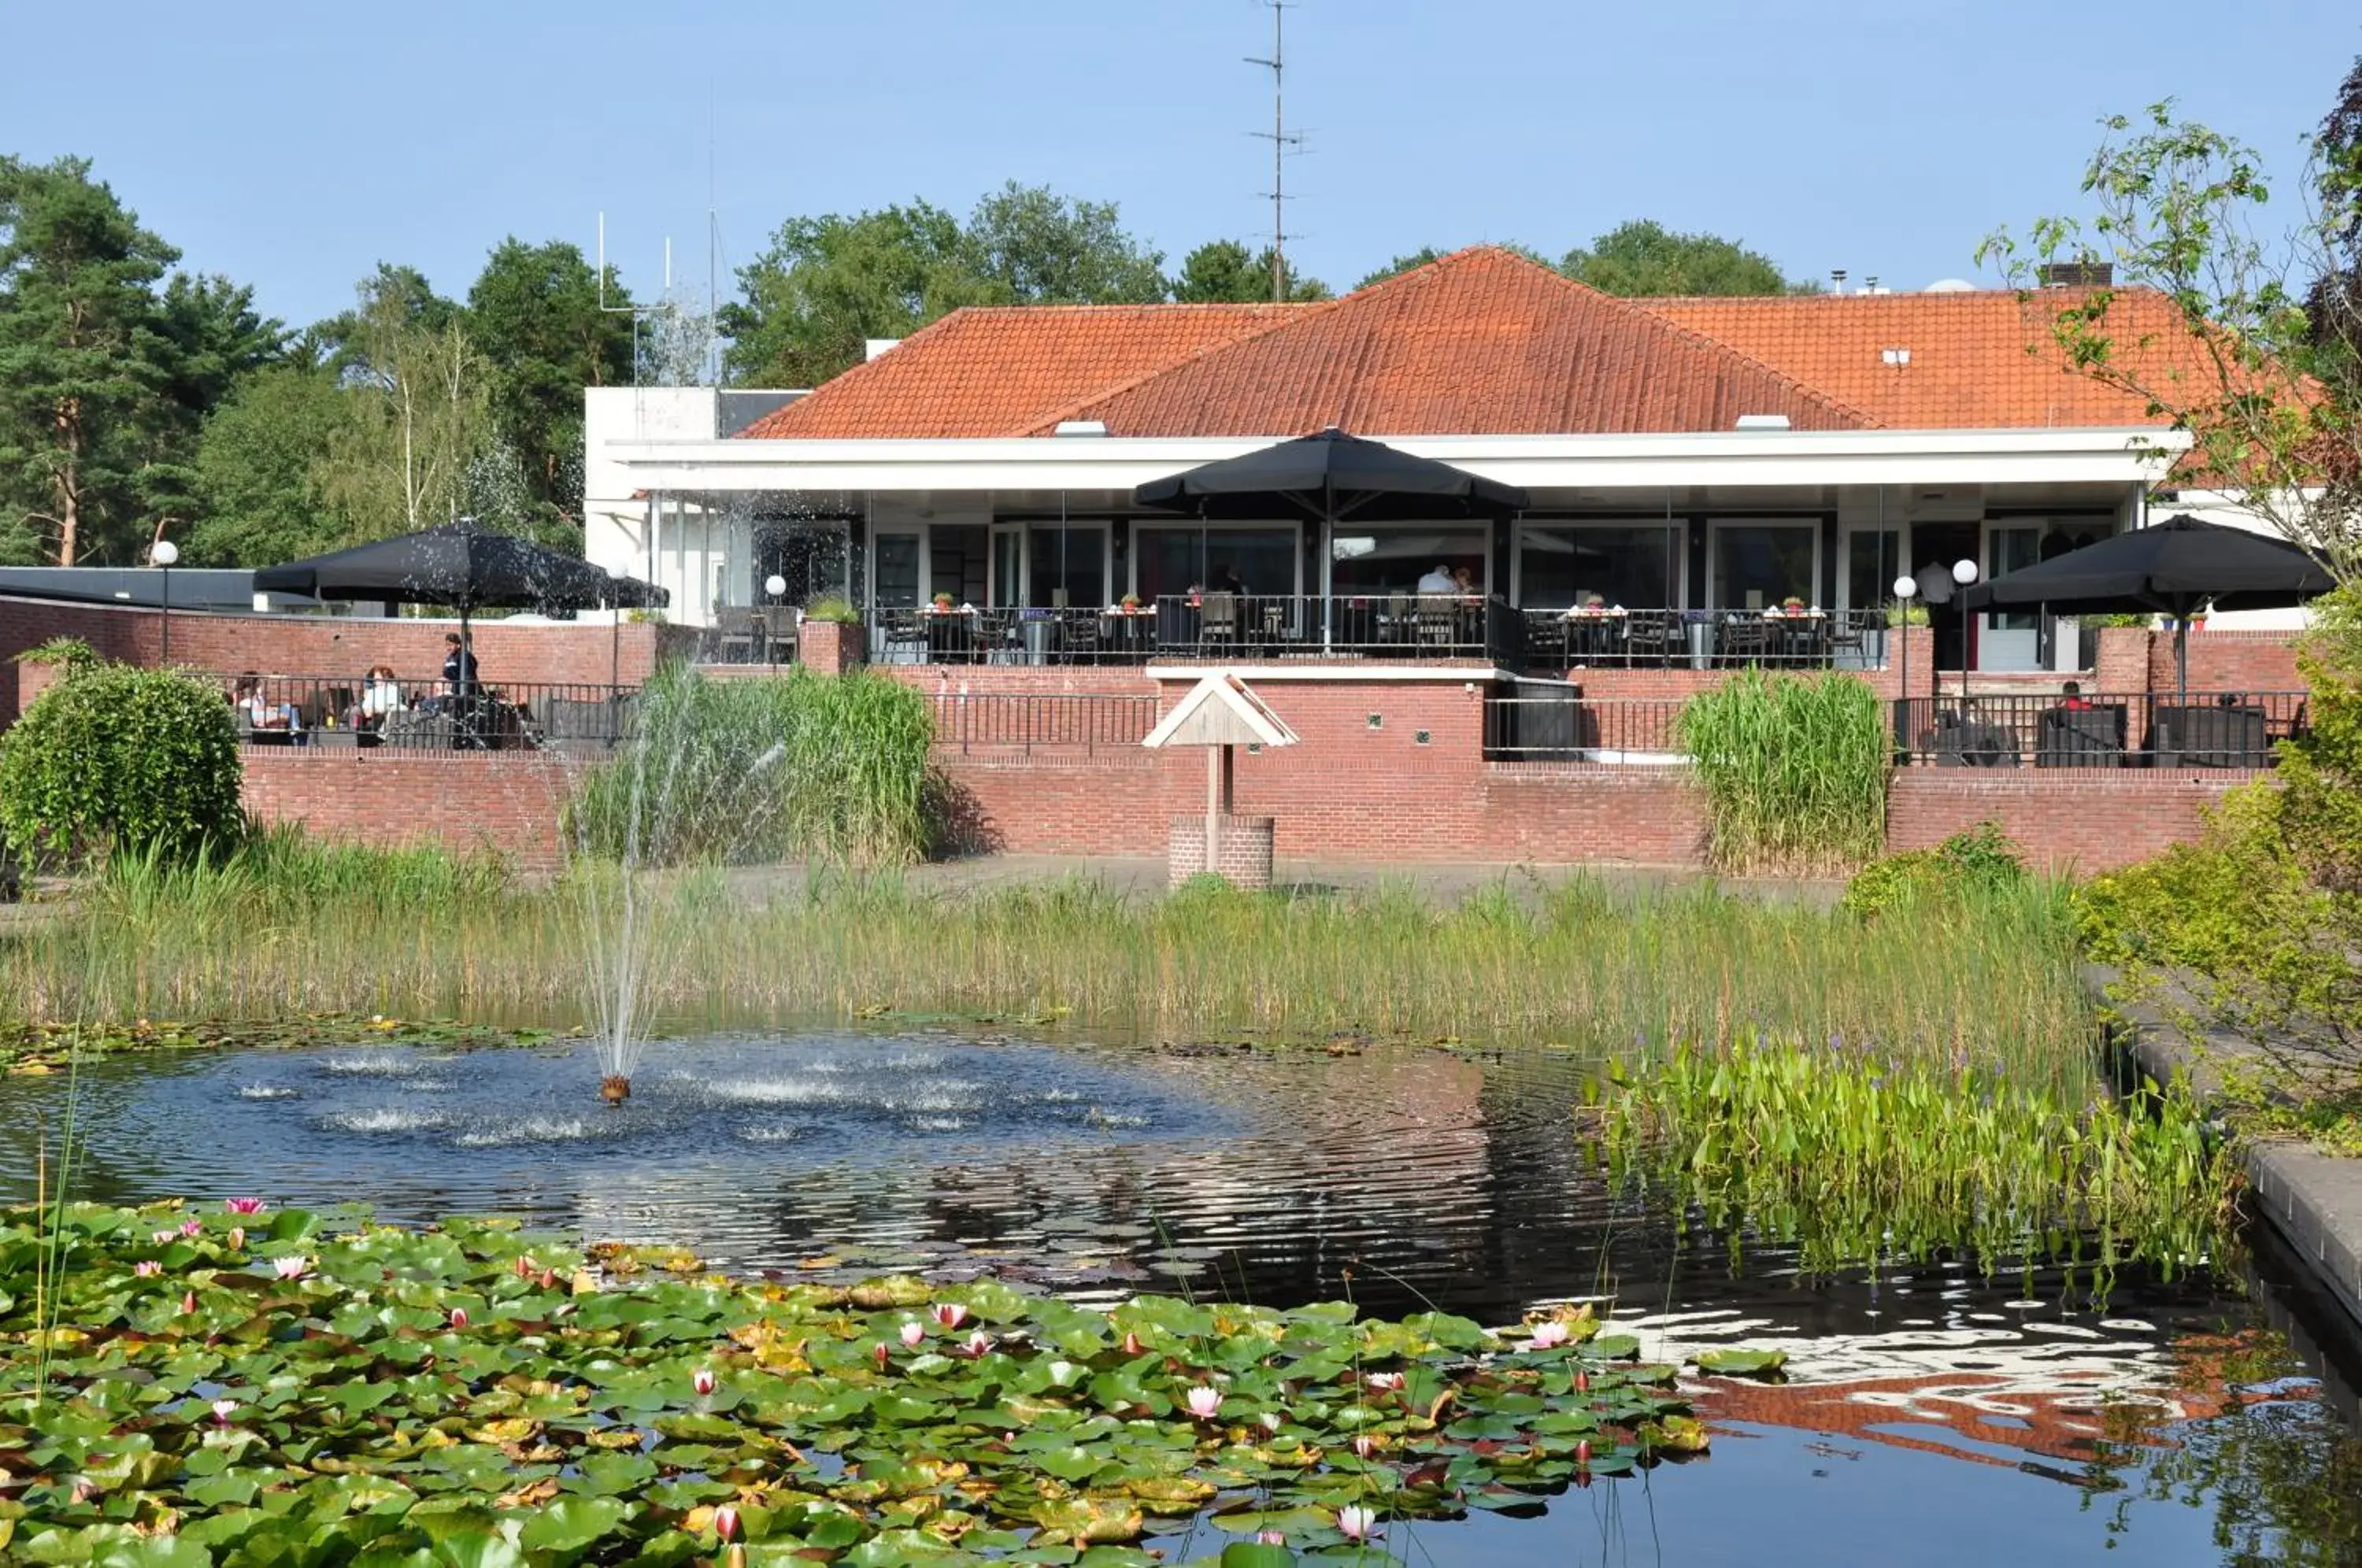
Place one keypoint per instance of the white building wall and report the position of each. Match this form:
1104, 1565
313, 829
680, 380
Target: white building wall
652, 536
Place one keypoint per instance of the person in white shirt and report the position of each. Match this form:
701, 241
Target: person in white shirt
1438, 580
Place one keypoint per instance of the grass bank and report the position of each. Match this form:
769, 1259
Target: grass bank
1992, 983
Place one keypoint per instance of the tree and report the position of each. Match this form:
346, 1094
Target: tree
1044, 249
535, 314
393, 293
85, 366
2274, 416
408, 453
256, 498
217, 339
826, 284
2334, 304
1223, 271
1644, 258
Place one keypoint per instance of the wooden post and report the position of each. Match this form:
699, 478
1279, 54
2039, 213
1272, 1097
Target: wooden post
1215, 779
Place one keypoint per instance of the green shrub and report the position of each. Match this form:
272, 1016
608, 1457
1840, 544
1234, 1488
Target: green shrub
1978, 858
834, 608
763, 770
119, 760
71, 652
1794, 769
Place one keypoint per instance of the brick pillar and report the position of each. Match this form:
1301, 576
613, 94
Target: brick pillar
2120, 670
1242, 856
831, 648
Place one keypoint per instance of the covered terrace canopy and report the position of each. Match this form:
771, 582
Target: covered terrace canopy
1332, 477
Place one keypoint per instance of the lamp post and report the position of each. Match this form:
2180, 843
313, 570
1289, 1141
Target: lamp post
774, 585
1907, 589
164, 553
1964, 572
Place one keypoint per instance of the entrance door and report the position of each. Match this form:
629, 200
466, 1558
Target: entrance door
2011, 639
1007, 589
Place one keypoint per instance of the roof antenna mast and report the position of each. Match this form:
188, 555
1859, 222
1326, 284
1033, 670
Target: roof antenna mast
1282, 143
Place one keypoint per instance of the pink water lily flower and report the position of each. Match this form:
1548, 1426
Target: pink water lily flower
523, 1266
950, 1314
702, 1380
1548, 1334
1356, 1523
188, 1303
165, 1238
289, 1268
1364, 1445
1204, 1403
192, 1227
1270, 1538
726, 1522
1270, 1420
1131, 1344
975, 1345
913, 1333
223, 1410
880, 1354
242, 1205
147, 1268
1385, 1382
459, 1320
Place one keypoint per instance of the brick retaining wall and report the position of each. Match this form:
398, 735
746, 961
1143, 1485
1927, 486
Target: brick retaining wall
498, 802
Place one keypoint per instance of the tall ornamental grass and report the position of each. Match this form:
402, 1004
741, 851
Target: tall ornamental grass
762, 769
1584, 967
1793, 769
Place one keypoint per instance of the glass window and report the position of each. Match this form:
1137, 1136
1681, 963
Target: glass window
2014, 548
1632, 565
1068, 568
1392, 560
1873, 560
1176, 559
1758, 564
898, 571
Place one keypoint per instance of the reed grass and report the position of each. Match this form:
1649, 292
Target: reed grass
1793, 769
1584, 967
1859, 1158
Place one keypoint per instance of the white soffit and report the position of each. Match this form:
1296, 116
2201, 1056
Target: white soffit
1220, 711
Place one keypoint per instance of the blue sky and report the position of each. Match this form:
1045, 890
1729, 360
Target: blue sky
294, 145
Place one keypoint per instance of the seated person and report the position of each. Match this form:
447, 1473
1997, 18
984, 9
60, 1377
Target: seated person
257, 709
1438, 578
380, 696
2070, 697
1464, 580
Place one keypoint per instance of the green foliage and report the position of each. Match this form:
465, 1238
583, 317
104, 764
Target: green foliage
257, 500
121, 760
71, 653
2320, 773
1644, 257
834, 608
1977, 859
415, 431
761, 771
1794, 769
286, 1385
1039, 248
534, 315
1859, 1158
1223, 271
85, 367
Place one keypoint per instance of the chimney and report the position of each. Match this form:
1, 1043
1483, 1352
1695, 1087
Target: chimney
2077, 274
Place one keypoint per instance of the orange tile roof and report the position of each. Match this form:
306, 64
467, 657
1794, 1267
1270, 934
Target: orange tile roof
1486, 342
1000, 370
1483, 342
1983, 359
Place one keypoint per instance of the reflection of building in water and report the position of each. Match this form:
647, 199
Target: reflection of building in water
2009, 1397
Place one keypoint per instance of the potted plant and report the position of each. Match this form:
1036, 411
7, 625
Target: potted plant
1131, 603
942, 603
830, 641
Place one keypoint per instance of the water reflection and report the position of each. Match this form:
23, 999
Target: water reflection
1927, 1405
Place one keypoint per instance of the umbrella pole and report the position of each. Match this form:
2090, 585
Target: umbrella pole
2181, 659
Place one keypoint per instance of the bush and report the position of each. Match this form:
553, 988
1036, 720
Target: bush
1977, 858
119, 760
763, 770
834, 608
1793, 769
71, 652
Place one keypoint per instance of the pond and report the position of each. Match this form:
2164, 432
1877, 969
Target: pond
1930, 1413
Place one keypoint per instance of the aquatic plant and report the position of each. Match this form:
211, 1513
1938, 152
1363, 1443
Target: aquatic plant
1793, 769
336, 1391
1860, 1158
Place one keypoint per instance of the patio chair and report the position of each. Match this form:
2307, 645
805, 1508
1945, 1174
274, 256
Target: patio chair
1744, 640
776, 626
1650, 636
1217, 619
736, 631
1438, 624
1079, 636
2081, 737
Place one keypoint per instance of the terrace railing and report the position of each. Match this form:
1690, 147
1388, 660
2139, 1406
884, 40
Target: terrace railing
349, 711
2206, 729
1229, 627
1560, 640
1028, 722
1561, 726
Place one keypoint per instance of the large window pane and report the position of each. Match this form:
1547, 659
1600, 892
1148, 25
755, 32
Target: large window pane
1392, 560
898, 571
1071, 562
1626, 565
1873, 560
1758, 564
1176, 559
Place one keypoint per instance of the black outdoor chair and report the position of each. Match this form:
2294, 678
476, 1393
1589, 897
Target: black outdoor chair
2211, 737
1651, 636
736, 631
1218, 619
2081, 737
1744, 640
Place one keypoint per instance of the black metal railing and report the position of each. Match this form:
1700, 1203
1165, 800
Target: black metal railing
1029, 721
1560, 640
2204, 729
1209, 626
1543, 725
426, 715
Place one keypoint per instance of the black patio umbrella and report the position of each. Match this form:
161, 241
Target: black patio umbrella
1332, 477
463, 565
2174, 567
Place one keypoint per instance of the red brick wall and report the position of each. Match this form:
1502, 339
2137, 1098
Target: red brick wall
2087, 819
2241, 660
315, 645
1243, 850
1057, 804
501, 803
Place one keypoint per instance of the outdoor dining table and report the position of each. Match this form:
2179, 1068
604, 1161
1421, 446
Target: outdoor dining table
1128, 631
1594, 635
1797, 636
951, 633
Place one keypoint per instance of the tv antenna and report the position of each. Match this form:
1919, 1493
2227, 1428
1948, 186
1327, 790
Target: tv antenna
1282, 142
